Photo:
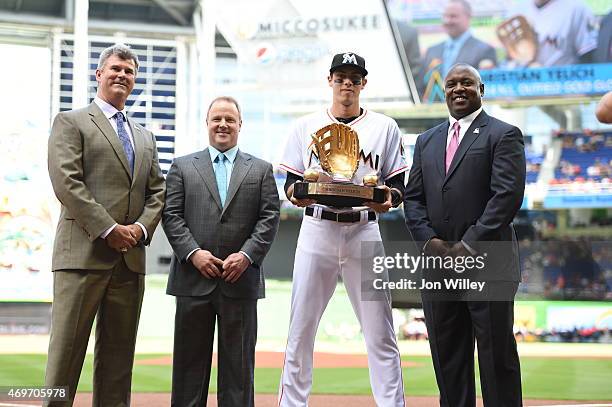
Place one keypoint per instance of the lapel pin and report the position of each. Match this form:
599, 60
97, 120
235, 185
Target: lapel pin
476, 130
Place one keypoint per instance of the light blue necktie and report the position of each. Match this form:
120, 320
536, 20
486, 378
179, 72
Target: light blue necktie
125, 140
449, 57
221, 176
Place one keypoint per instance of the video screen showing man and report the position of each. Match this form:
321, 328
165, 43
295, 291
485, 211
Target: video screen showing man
460, 47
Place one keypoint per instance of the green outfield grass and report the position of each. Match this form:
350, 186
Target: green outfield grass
550, 378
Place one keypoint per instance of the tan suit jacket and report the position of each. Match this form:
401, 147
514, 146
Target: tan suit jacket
91, 178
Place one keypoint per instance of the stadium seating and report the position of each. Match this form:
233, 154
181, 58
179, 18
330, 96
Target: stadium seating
585, 157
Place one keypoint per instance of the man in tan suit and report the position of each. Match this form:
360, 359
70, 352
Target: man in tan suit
105, 172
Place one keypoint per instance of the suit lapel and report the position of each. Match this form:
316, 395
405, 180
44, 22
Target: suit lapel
465, 53
480, 123
440, 147
242, 164
203, 166
107, 130
138, 147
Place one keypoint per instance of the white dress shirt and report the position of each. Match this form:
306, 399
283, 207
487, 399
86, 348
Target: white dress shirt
109, 111
464, 125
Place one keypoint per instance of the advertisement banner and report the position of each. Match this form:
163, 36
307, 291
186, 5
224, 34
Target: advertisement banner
289, 45
572, 200
568, 317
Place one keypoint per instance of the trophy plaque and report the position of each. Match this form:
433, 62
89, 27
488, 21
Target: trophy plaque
337, 147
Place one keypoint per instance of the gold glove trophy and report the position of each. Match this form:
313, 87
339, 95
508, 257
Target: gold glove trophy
519, 39
337, 146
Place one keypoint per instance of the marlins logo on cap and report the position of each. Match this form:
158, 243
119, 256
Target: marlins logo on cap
348, 59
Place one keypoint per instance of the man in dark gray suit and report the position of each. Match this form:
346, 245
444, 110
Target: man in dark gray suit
466, 185
221, 216
460, 47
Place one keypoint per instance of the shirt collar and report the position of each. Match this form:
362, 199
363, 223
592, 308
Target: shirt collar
460, 40
108, 109
230, 154
466, 121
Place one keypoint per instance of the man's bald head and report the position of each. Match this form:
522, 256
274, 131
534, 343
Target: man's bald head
463, 90
469, 67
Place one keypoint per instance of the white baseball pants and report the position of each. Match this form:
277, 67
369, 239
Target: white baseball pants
324, 250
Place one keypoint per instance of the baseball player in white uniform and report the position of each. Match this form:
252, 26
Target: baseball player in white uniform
329, 243
566, 30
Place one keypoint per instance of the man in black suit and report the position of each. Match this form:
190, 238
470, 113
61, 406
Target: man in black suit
466, 185
221, 216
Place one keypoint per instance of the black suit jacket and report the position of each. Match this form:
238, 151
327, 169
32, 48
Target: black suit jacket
478, 198
194, 218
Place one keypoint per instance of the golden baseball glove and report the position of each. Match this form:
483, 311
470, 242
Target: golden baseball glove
337, 146
519, 39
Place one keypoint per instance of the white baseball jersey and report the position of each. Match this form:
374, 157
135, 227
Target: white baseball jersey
566, 30
380, 142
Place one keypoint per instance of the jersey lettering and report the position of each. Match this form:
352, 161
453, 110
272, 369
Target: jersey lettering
367, 160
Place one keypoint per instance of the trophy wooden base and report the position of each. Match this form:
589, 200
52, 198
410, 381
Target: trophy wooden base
337, 194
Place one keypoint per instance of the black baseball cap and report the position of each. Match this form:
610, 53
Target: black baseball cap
348, 59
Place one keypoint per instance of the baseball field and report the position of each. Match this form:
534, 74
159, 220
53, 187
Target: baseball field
552, 373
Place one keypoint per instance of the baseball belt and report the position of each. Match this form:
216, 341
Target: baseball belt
343, 217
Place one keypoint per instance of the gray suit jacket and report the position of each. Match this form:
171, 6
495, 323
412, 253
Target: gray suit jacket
91, 178
473, 52
193, 218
